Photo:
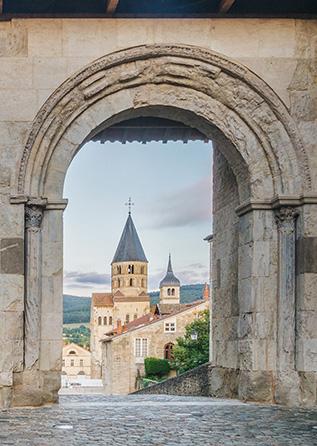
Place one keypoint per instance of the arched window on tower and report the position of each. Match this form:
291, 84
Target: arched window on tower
105, 320
118, 269
168, 351
131, 269
142, 269
168, 291
99, 320
110, 320
173, 291
131, 282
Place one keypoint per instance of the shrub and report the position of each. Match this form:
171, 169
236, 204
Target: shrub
156, 367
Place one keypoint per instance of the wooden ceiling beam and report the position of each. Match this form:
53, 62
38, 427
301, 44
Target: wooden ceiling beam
225, 5
111, 6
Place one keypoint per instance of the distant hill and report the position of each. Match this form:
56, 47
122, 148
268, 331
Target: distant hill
77, 309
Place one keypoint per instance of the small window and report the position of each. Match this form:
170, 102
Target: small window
105, 320
110, 320
127, 318
173, 291
131, 282
81, 373
131, 269
81, 363
141, 347
168, 291
170, 327
72, 352
168, 351
118, 269
142, 269
135, 316
72, 363
99, 320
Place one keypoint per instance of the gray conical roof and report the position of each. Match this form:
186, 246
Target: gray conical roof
129, 248
169, 279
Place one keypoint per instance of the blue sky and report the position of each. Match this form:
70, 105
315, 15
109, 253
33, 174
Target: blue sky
170, 185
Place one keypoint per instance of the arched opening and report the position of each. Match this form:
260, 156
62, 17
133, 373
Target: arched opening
168, 351
258, 158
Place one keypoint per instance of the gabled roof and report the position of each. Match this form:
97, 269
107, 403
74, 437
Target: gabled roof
157, 314
129, 247
169, 279
102, 299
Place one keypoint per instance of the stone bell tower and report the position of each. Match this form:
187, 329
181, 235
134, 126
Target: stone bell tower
170, 286
129, 267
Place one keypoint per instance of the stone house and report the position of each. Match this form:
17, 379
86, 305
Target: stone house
76, 361
152, 335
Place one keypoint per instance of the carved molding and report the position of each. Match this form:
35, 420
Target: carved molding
191, 67
33, 216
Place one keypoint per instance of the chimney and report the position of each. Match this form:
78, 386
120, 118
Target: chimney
206, 292
119, 326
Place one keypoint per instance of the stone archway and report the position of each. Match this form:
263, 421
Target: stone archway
262, 175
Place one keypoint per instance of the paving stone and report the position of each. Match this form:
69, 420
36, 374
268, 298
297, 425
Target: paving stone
158, 420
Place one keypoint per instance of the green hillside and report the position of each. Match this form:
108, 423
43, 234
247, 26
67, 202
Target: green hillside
77, 309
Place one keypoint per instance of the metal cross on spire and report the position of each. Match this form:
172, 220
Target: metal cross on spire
130, 204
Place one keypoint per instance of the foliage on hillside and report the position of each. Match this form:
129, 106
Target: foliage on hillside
78, 335
192, 350
77, 309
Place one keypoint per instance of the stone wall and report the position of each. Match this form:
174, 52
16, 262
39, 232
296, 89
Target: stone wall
194, 382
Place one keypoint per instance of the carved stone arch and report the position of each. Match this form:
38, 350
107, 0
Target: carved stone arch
261, 156
223, 94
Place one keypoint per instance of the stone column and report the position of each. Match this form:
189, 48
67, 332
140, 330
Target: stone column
33, 287
286, 223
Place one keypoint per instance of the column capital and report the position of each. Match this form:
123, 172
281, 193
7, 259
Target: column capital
33, 216
285, 217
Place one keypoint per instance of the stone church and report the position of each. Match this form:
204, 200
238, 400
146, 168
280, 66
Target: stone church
128, 298
127, 307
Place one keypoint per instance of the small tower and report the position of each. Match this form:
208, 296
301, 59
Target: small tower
169, 286
129, 265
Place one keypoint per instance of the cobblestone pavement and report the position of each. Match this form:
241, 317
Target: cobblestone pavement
156, 420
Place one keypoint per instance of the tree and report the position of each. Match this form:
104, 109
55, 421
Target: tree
192, 350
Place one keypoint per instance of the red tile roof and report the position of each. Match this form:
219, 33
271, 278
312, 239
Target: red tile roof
102, 299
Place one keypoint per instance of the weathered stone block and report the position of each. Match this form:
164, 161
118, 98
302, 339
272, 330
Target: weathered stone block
13, 39
256, 386
12, 256
306, 255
